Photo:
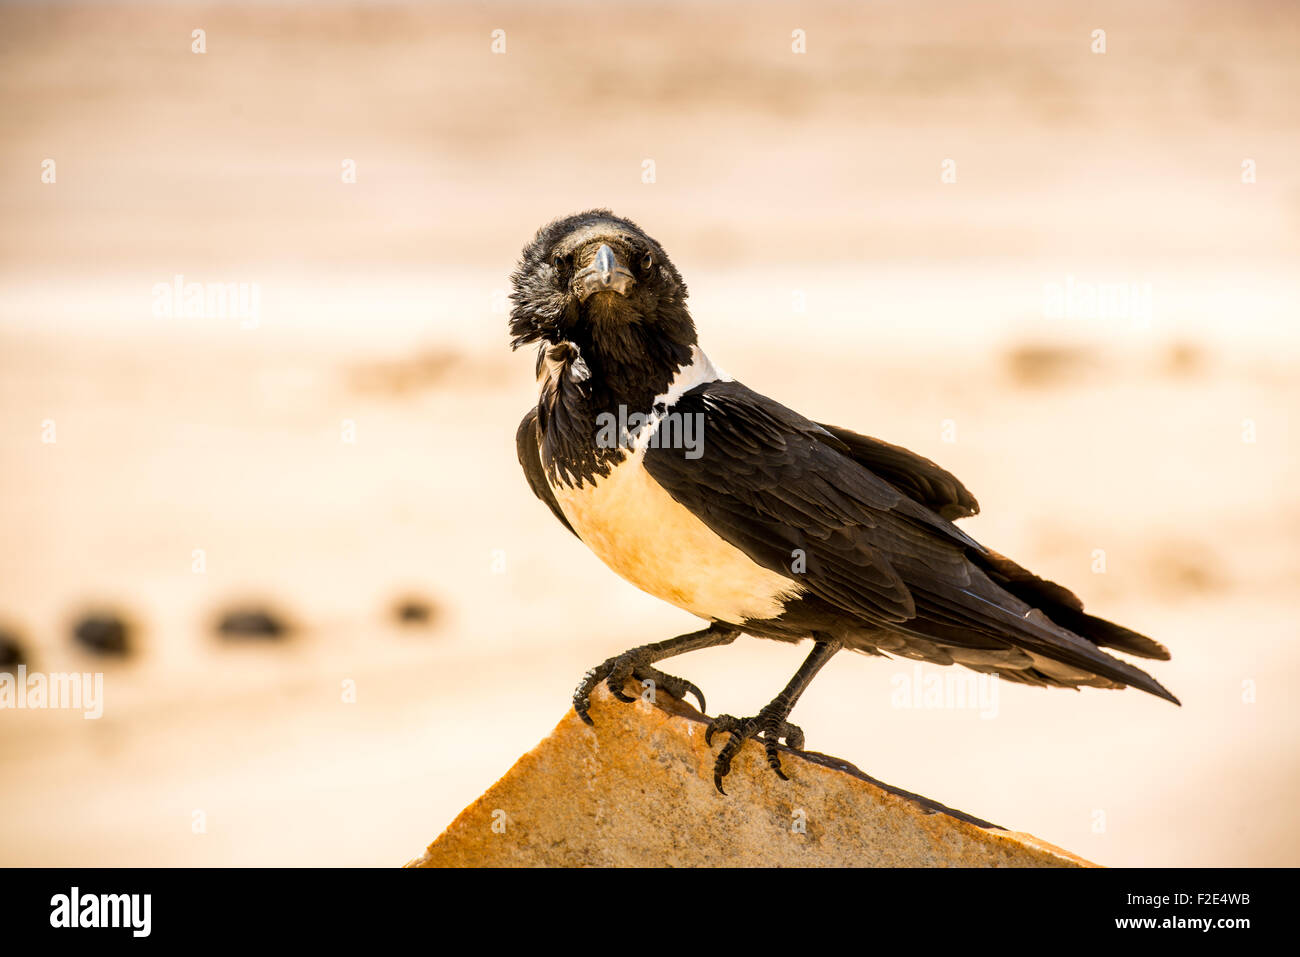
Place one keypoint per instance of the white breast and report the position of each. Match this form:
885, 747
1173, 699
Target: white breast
638, 530
643, 534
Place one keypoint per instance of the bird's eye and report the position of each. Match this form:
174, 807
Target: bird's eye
647, 261
557, 262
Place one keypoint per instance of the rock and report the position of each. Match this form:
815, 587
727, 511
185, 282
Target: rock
254, 623
1035, 364
104, 633
413, 610
637, 790
11, 651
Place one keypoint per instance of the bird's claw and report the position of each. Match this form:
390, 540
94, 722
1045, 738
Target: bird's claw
615, 672
679, 688
769, 727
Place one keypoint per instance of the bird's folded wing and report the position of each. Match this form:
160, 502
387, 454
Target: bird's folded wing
775, 485
914, 475
527, 445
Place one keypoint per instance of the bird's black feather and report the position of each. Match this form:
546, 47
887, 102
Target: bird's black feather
527, 444
912, 474
1064, 607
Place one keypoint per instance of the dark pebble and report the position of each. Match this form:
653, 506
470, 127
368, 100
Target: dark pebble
103, 634
255, 623
413, 611
11, 651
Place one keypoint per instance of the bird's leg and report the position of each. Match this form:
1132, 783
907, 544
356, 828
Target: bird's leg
770, 724
637, 663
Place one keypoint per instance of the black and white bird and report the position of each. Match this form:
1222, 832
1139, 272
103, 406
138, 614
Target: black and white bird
726, 503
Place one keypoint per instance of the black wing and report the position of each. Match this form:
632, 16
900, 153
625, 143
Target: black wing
771, 482
526, 444
934, 487
913, 475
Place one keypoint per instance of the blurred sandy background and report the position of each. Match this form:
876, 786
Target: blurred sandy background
780, 179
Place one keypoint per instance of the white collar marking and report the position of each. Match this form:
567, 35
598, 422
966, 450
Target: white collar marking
697, 372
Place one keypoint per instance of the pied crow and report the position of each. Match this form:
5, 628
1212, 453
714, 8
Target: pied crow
737, 509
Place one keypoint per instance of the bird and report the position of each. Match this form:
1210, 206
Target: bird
726, 503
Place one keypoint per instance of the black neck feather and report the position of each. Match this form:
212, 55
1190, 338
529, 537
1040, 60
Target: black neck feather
626, 367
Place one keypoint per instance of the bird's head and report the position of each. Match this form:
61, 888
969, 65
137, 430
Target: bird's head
598, 282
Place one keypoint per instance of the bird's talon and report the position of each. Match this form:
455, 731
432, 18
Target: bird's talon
617, 670
764, 728
722, 723
774, 759
679, 688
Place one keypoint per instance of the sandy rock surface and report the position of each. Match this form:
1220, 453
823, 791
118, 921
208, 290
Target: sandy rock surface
637, 790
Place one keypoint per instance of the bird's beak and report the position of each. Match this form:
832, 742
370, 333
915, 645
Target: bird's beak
604, 273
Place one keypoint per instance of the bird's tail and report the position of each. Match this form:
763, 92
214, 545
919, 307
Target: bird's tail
1063, 609
1106, 634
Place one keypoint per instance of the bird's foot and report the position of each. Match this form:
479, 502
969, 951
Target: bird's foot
768, 726
615, 672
